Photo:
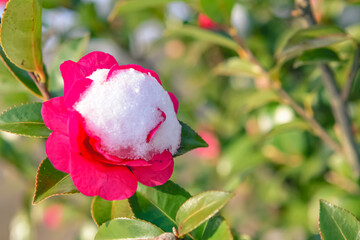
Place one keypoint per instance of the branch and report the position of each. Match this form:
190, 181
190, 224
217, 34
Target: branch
338, 106
41, 86
353, 72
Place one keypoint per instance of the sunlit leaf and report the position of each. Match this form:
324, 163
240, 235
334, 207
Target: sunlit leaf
237, 67
126, 228
218, 10
159, 204
200, 208
21, 34
336, 223
103, 210
217, 228
51, 182
24, 120
189, 140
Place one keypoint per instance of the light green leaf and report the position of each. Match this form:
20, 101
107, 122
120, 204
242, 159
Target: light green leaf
130, 6
21, 35
236, 66
71, 50
51, 182
125, 228
218, 10
217, 228
24, 120
159, 204
336, 223
320, 55
189, 140
103, 210
286, 127
200, 208
17, 73
203, 35
312, 38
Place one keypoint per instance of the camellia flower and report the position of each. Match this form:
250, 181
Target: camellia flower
115, 126
205, 22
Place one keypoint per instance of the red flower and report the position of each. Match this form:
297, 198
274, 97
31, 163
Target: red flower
205, 22
115, 126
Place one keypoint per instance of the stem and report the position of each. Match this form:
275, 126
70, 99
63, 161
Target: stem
353, 72
41, 85
286, 98
338, 106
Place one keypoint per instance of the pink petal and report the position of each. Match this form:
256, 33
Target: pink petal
160, 171
114, 71
109, 182
57, 149
55, 115
74, 93
70, 73
174, 101
153, 131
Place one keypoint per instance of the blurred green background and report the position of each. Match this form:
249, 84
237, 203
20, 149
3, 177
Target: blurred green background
259, 147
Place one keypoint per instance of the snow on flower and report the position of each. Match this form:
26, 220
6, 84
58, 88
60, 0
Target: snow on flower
115, 126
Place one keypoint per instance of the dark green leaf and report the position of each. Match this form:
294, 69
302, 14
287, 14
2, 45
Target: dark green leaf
24, 120
238, 67
159, 204
125, 228
336, 223
218, 10
320, 55
21, 34
103, 210
204, 35
312, 38
189, 140
19, 74
200, 208
51, 182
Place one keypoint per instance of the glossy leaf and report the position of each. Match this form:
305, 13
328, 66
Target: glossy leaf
21, 34
238, 67
336, 223
320, 55
200, 208
159, 204
129, 6
103, 210
312, 38
126, 228
203, 35
19, 74
189, 140
217, 228
218, 10
70, 50
24, 120
51, 182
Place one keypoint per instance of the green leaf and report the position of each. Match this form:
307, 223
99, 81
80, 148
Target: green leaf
19, 74
218, 10
203, 35
51, 182
236, 66
200, 208
312, 38
125, 228
217, 228
103, 210
24, 120
285, 128
336, 223
130, 6
71, 50
189, 140
320, 55
159, 204
21, 35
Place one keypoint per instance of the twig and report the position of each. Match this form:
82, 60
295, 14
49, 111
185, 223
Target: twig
41, 86
352, 75
338, 106
286, 98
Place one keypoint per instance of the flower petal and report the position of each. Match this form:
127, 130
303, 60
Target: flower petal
74, 93
57, 149
160, 171
114, 69
55, 115
107, 181
174, 101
